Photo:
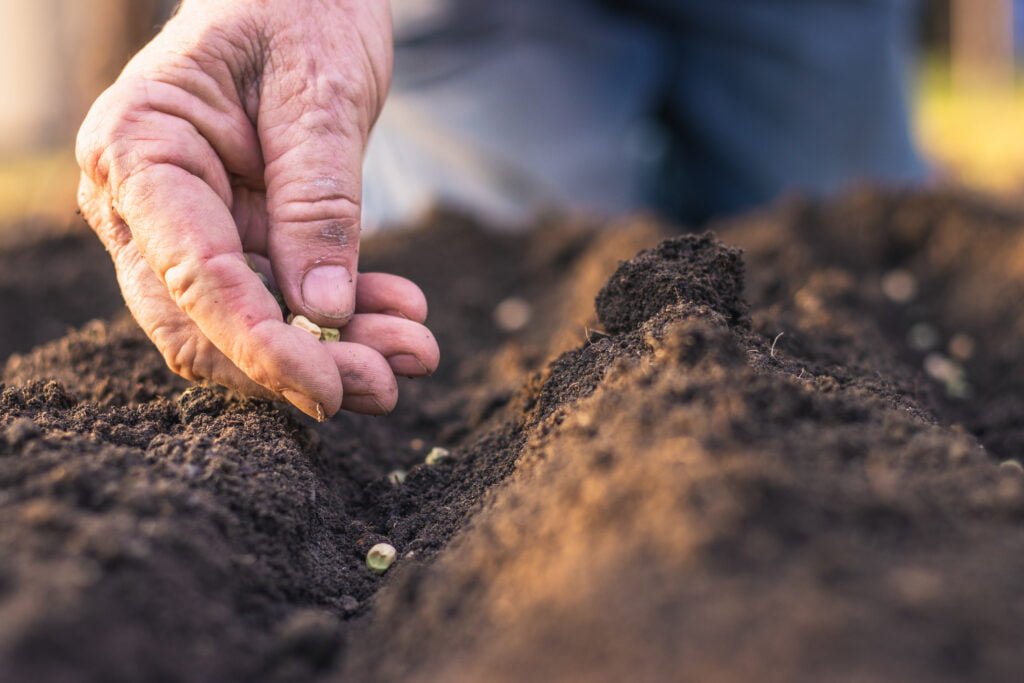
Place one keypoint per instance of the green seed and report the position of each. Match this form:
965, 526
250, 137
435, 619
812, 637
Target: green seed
304, 323
330, 334
380, 557
397, 477
436, 455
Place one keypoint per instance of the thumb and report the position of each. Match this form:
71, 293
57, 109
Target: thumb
314, 152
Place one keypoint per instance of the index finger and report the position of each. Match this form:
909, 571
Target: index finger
187, 235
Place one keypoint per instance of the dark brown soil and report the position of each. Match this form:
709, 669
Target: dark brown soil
48, 286
673, 493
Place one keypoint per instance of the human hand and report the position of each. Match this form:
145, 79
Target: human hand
240, 129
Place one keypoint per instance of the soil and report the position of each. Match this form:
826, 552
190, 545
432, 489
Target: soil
738, 465
50, 285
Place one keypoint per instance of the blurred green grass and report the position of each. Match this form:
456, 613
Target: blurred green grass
974, 136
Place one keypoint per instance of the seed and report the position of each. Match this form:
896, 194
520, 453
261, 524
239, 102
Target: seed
397, 477
380, 557
941, 368
950, 373
961, 346
330, 334
899, 286
922, 337
304, 323
436, 455
513, 314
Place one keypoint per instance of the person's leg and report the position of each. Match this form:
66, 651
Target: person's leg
507, 108
777, 95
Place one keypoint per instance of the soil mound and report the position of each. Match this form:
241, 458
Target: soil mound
742, 476
692, 270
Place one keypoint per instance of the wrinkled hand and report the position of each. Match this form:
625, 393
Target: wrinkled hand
240, 130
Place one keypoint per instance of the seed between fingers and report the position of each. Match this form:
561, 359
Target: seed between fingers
329, 334
304, 323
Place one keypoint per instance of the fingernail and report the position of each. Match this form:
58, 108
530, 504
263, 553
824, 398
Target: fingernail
407, 365
305, 404
361, 403
329, 291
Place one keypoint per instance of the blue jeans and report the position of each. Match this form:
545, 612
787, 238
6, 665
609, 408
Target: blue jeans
694, 108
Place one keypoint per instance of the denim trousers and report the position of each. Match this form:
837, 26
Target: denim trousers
690, 108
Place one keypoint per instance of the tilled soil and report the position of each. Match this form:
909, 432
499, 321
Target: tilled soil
793, 462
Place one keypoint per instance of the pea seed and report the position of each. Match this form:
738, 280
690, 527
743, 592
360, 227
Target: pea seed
436, 455
330, 334
380, 557
304, 323
397, 477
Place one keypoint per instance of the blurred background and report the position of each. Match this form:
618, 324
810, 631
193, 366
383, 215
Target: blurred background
57, 55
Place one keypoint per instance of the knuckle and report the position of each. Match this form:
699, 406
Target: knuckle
133, 179
91, 204
88, 151
344, 80
183, 278
321, 116
181, 281
180, 350
124, 165
94, 134
324, 233
183, 360
115, 237
204, 358
302, 206
319, 211
326, 195
111, 120
124, 134
256, 358
111, 231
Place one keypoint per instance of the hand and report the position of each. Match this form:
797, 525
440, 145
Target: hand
240, 129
